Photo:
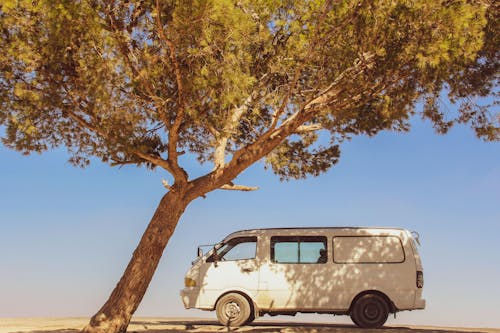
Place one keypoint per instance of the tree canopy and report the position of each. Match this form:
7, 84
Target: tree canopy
140, 82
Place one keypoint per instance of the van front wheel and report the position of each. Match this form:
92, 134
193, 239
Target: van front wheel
233, 310
370, 311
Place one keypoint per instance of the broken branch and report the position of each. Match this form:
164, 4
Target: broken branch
233, 187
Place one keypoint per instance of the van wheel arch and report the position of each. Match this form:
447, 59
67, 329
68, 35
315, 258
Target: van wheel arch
254, 310
390, 304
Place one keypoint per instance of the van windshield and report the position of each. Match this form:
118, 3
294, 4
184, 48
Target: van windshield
239, 248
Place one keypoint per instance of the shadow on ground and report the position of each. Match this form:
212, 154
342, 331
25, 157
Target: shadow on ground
208, 326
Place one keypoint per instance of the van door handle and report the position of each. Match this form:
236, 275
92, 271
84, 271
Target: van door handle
247, 269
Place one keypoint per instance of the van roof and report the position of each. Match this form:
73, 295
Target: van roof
315, 228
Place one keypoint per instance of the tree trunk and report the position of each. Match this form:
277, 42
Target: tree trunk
115, 314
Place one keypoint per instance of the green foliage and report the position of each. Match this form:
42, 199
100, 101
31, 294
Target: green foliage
299, 159
109, 79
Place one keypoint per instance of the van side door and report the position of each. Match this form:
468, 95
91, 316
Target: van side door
296, 274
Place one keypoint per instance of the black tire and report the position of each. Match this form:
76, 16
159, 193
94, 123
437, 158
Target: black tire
251, 318
233, 310
370, 311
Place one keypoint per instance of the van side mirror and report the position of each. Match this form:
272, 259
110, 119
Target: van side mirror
416, 237
200, 252
215, 255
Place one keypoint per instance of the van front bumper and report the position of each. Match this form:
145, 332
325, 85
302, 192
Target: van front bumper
189, 297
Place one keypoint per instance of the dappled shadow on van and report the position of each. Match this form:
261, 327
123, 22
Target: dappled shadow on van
354, 264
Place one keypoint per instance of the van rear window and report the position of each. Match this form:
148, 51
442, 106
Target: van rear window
367, 249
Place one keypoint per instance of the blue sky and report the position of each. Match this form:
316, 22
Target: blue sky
68, 233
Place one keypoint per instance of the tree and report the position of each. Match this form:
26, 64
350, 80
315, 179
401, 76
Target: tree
143, 82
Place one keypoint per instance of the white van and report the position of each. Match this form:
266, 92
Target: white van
366, 273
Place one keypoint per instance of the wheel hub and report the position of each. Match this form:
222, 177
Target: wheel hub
371, 311
232, 310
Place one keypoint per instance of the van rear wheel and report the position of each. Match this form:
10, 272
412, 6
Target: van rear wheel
370, 311
233, 310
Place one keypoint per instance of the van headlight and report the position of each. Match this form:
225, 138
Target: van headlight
188, 282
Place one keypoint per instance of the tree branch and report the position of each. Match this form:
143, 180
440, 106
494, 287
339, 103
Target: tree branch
253, 152
166, 184
308, 128
273, 137
360, 65
173, 130
288, 94
125, 51
84, 124
117, 162
234, 187
229, 127
299, 68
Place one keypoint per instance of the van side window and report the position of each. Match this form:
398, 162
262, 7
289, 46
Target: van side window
240, 248
298, 249
367, 250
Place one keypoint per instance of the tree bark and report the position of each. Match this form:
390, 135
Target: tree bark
115, 314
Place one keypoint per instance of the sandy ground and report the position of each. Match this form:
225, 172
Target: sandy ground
171, 325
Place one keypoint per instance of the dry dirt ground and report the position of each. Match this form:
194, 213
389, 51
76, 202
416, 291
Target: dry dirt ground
171, 325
